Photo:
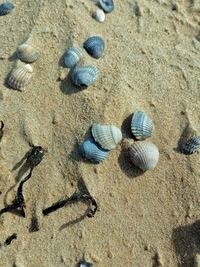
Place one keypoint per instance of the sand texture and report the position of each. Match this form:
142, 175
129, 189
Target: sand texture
151, 63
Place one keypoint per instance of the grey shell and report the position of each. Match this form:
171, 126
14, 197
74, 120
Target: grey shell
27, 53
94, 46
6, 8
144, 155
191, 146
141, 125
72, 56
84, 76
92, 151
107, 5
85, 264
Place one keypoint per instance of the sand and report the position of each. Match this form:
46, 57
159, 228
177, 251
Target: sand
151, 63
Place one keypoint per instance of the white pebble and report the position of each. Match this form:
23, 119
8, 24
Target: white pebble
100, 15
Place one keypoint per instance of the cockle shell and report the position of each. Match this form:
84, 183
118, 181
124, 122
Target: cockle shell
107, 5
141, 125
5, 8
144, 155
20, 76
191, 145
92, 151
100, 15
72, 56
95, 46
107, 136
27, 53
84, 76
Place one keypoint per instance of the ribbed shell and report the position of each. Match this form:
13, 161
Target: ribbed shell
20, 76
107, 136
72, 56
92, 151
6, 8
141, 125
144, 155
94, 46
191, 146
84, 76
27, 53
100, 15
107, 5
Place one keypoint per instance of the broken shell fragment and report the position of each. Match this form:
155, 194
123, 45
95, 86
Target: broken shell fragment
100, 15
20, 76
27, 53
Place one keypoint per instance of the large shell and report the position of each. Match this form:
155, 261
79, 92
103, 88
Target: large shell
95, 46
92, 151
20, 76
6, 8
141, 125
144, 155
84, 76
107, 136
27, 53
191, 146
72, 56
107, 5
100, 15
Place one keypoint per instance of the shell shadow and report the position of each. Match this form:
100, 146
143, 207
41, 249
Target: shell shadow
186, 240
61, 62
127, 167
126, 127
67, 87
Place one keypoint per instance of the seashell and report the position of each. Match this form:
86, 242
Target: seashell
72, 56
27, 53
144, 155
20, 76
141, 125
107, 5
100, 15
92, 151
85, 75
6, 8
107, 136
85, 264
95, 46
191, 145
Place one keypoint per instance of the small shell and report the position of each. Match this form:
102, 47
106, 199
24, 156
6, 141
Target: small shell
107, 5
20, 76
85, 264
6, 8
72, 56
107, 136
95, 46
144, 155
191, 146
85, 75
100, 15
90, 150
141, 125
27, 53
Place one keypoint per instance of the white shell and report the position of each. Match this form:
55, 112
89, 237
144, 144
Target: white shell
100, 15
144, 155
20, 76
27, 53
107, 136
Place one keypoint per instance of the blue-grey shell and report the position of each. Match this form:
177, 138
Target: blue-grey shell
84, 76
141, 125
72, 56
85, 264
92, 151
94, 46
191, 146
107, 5
6, 8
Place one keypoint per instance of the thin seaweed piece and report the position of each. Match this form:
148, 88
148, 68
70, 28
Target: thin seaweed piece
10, 239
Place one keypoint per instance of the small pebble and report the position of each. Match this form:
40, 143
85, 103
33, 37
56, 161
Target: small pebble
100, 15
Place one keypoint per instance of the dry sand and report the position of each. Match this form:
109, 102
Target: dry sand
151, 63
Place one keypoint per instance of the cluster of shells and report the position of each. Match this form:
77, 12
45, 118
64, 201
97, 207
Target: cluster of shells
143, 154
106, 6
21, 74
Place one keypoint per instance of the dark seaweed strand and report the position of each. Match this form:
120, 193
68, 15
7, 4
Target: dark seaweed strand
10, 239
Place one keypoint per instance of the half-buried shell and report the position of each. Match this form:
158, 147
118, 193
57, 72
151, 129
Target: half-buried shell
20, 76
94, 46
141, 125
6, 8
84, 76
72, 56
107, 136
191, 146
27, 53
